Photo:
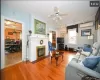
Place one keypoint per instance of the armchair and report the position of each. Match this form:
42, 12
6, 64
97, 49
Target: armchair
50, 47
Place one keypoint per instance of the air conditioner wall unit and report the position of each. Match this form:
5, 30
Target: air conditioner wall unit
88, 24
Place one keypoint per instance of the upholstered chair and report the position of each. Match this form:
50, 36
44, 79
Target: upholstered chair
50, 47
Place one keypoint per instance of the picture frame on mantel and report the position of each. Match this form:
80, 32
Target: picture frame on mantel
86, 32
40, 27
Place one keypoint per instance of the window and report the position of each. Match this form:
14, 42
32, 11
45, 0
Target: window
72, 36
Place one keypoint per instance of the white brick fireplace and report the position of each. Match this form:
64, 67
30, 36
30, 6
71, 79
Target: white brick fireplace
34, 43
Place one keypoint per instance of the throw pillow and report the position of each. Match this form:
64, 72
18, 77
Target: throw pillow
91, 62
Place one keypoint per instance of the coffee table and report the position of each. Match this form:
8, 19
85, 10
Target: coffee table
56, 56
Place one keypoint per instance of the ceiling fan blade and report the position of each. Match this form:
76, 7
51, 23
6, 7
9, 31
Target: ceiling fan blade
56, 10
60, 17
63, 14
52, 15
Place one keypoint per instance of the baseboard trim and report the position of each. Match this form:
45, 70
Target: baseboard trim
40, 59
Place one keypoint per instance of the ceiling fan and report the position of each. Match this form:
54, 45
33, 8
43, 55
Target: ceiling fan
57, 15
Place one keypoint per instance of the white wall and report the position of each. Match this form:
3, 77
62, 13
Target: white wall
84, 39
61, 30
81, 40
26, 18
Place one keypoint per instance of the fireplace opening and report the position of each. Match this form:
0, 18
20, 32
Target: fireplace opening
40, 51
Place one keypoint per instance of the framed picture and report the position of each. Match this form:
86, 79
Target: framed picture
86, 32
10, 33
40, 27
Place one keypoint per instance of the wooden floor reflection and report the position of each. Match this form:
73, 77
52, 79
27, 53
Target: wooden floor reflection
13, 58
41, 70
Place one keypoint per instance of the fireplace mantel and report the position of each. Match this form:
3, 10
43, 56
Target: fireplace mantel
34, 41
38, 36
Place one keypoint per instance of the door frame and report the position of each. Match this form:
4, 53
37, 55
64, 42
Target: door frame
3, 40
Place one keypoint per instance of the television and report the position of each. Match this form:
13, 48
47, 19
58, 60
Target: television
60, 40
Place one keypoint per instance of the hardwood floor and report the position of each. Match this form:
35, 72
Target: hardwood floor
42, 70
13, 58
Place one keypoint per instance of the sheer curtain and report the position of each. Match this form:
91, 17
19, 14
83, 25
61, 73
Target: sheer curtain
72, 36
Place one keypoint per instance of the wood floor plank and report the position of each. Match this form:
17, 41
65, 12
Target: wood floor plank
12, 58
41, 70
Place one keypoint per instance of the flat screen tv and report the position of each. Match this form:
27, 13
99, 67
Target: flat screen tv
60, 40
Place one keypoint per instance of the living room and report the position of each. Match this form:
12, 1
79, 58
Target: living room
48, 28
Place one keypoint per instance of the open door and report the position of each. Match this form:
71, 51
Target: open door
13, 42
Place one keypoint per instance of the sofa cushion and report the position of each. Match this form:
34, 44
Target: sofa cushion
97, 69
91, 62
87, 48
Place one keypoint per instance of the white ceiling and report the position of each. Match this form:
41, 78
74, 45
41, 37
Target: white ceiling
78, 11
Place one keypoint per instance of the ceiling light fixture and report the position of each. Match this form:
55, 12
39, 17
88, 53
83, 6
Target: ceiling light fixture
7, 22
57, 15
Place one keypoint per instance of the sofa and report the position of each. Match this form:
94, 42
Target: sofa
81, 55
76, 70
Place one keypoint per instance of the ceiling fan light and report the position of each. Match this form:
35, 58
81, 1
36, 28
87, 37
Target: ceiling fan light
56, 9
57, 14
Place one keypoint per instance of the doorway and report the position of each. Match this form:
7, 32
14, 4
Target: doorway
3, 58
12, 42
52, 38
